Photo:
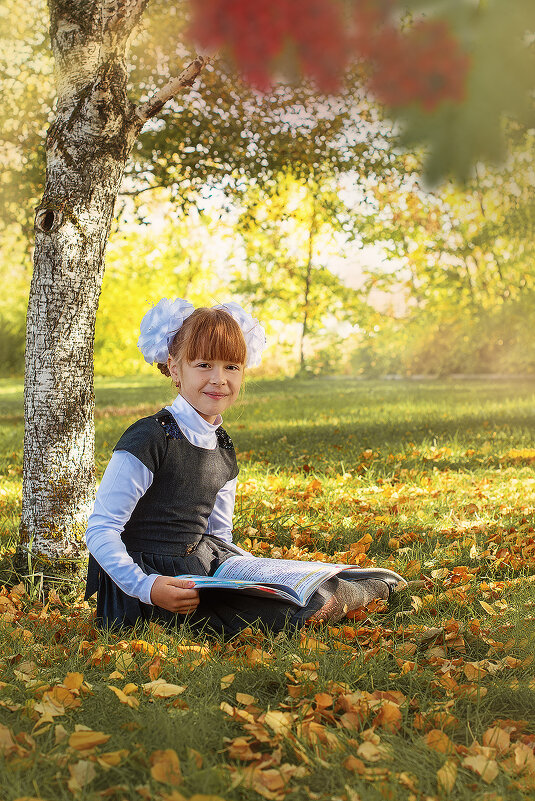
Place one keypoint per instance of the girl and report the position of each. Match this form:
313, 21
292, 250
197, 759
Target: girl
164, 506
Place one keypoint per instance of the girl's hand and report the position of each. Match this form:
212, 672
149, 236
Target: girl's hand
174, 594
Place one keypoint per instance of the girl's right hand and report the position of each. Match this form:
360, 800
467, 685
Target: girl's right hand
174, 594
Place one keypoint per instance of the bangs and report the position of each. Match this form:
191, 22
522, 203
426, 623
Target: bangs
211, 334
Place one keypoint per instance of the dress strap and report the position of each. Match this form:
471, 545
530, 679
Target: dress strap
223, 439
169, 425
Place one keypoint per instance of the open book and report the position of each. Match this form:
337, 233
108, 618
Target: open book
288, 579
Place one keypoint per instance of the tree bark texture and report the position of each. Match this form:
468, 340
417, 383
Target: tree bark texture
87, 148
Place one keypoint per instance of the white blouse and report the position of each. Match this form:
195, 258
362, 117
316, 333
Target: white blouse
124, 482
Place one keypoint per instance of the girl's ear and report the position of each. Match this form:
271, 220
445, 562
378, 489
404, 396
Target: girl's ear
172, 366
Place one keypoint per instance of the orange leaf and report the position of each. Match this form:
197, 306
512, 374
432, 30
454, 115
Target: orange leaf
165, 767
84, 740
155, 668
354, 764
73, 681
112, 758
124, 699
389, 716
437, 740
323, 700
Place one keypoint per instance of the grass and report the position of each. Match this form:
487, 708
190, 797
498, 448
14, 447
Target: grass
430, 697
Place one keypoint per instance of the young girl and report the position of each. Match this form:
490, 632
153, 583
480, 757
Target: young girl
164, 506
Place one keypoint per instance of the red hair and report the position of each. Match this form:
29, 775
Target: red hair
208, 334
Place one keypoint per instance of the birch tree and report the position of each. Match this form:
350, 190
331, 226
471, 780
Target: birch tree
87, 147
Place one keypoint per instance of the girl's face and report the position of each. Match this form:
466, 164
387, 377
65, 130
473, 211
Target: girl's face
209, 386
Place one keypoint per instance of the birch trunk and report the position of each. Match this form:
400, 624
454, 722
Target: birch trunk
87, 147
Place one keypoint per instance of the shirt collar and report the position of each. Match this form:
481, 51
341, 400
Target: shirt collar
190, 417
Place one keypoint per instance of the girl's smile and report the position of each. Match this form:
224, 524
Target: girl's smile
210, 386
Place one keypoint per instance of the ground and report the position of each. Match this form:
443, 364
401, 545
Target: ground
430, 696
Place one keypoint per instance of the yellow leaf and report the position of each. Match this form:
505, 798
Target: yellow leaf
447, 776
245, 698
165, 767
60, 733
124, 699
112, 758
497, 738
124, 662
130, 688
161, 689
279, 722
6, 738
73, 681
488, 608
524, 758
369, 751
82, 773
83, 740
226, 681
484, 767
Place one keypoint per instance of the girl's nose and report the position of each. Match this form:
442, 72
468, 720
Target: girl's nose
218, 376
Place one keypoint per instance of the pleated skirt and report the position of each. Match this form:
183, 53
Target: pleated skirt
222, 612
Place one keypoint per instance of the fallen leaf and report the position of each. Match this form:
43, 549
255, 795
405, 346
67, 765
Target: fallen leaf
484, 767
124, 699
165, 767
488, 608
84, 740
369, 751
245, 698
497, 738
354, 764
439, 741
279, 722
82, 773
161, 689
73, 681
226, 681
389, 716
447, 776
112, 758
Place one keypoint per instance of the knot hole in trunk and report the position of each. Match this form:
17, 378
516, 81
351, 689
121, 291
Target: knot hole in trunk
48, 220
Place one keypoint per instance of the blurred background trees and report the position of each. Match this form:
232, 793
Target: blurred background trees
306, 206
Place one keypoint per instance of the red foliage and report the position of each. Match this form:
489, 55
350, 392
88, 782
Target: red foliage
256, 34
422, 64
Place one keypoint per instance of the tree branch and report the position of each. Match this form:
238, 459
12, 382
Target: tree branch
186, 79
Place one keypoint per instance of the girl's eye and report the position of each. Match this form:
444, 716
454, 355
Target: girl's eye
203, 364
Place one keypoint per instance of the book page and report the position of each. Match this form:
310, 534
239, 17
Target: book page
302, 577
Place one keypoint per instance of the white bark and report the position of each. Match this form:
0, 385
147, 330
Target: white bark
87, 148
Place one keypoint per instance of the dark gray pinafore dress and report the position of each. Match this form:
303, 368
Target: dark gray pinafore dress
166, 534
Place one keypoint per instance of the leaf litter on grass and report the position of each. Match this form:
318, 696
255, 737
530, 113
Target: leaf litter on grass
429, 695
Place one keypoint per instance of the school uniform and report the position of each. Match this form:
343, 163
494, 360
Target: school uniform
164, 507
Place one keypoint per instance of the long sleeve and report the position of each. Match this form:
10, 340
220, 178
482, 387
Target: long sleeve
125, 480
220, 521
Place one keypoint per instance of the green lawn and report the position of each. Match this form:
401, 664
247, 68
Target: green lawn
431, 697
